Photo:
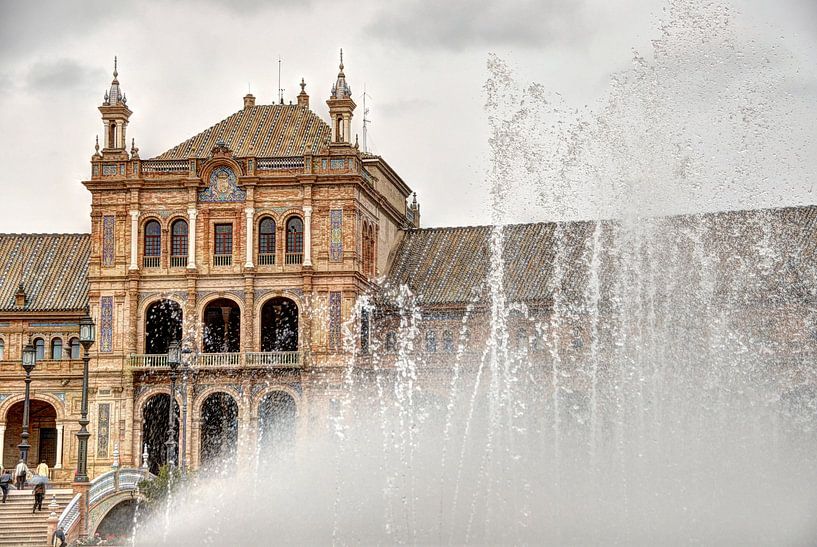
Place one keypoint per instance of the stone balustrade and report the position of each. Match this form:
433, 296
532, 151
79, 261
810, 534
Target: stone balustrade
264, 359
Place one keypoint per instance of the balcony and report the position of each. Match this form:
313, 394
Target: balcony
293, 258
222, 260
178, 261
151, 261
266, 359
266, 259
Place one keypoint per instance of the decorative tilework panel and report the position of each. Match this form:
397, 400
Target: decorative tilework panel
104, 421
336, 235
108, 170
323, 165
95, 170
106, 324
334, 321
108, 240
223, 187
121, 168
337, 164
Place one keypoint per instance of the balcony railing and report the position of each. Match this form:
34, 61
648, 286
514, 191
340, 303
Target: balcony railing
151, 261
178, 261
263, 359
294, 258
222, 260
266, 259
274, 358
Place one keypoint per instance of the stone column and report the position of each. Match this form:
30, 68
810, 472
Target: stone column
249, 212
191, 240
58, 465
2, 442
134, 239
307, 235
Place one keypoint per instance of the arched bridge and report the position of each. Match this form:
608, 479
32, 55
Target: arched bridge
106, 492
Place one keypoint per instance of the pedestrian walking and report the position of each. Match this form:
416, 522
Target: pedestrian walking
39, 495
59, 534
5, 480
42, 469
20, 473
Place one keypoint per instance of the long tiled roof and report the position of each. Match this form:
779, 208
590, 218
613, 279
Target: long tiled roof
755, 255
262, 130
52, 268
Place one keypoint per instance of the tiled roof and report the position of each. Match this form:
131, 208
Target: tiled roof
755, 255
270, 130
52, 268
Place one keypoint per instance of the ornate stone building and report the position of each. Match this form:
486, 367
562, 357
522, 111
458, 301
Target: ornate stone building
251, 243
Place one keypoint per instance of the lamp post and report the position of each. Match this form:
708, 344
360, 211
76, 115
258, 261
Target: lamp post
29, 361
187, 354
87, 330
173, 360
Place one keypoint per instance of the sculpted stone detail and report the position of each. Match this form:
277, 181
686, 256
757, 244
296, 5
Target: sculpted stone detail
223, 187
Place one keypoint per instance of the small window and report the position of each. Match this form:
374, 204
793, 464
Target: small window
2, 349
391, 342
74, 345
448, 342
153, 239
364, 331
431, 341
223, 245
295, 241
39, 348
56, 348
266, 242
178, 241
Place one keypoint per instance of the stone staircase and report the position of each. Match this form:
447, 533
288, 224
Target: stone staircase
19, 527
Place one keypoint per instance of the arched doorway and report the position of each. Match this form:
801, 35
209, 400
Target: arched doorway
42, 434
279, 325
118, 524
219, 429
154, 429
222, 327
277, 414
163, 324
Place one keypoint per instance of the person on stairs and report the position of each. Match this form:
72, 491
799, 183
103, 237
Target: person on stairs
42, 469
20, 473
5, 480
59, 534
39, 495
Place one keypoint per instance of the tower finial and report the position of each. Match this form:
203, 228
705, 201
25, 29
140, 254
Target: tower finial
303, 86
341, 59
115, 73
96, 146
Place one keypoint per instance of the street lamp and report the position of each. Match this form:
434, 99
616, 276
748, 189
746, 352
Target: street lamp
29, 361
87, 330
187, 354
173, 360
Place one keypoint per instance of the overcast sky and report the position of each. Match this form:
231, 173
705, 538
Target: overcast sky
186, 64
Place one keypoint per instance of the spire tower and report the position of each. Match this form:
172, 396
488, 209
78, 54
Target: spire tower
115, 116
341, 107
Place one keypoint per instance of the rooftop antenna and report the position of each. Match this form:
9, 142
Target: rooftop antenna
280, 89
366, 120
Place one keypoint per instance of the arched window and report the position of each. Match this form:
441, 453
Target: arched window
178, 244
153, 244
2, 349
391, 341
39, 348
112, 135
371, 251
56, 348
74, 345
448, 341
266, 241
365, 248
295, 241
431, 341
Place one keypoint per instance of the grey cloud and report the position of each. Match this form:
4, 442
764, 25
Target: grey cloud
53, 76
458, 24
